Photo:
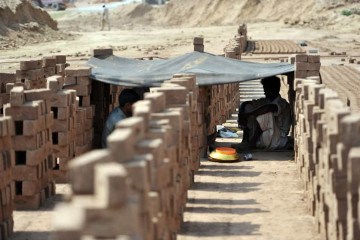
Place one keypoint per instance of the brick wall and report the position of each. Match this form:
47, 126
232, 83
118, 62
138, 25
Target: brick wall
151, 156
327, 151
7, 186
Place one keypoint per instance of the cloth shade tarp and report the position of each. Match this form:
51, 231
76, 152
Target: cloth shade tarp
208, 68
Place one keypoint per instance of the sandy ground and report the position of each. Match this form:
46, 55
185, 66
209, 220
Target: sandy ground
259, 199
167, 42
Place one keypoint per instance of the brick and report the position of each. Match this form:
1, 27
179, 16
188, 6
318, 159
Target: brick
301, 74
313, 58
78, 71
60, 69
174, 94
313, 73
157, 99
84, 101
37, 94
111, 187
83, 80
55, 83
26, 142
61, 99
153, 146
17, 97
198, 40
314, 66
30, 111
32, 127
82, 169
81, 90
32, 75
49, 71
121, 141
102, 52
30, 65
199, 48
301, 66
64, 228
136, 124
49, 62
27, 202
301, 58
69, 80
30, 188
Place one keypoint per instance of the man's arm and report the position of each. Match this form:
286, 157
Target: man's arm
242, 118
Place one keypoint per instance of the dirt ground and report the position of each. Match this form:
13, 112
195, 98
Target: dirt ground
168, 42
259, 199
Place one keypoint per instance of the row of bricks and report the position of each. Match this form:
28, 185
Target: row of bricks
126, 152
338, 134
35, 201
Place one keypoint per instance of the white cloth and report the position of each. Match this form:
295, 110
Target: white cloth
275, 126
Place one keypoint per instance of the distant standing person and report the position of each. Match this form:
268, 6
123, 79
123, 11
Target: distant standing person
105, 18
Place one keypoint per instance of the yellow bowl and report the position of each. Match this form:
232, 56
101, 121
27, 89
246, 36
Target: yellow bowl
224, 155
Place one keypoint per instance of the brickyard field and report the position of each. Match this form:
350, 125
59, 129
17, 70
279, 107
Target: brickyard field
155, 180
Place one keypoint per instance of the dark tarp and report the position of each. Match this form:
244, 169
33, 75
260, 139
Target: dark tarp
208, 68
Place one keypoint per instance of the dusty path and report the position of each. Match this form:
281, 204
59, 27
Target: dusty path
259, 199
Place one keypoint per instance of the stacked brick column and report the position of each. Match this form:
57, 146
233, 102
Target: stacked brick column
33, 146
306, 65
104, 99
189, 81
237, 45
7, 187
63, 106
154, 149
327, 152
216, 103
77, 78
5, 78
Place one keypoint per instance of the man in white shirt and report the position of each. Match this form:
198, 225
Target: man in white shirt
265, 122
105, 18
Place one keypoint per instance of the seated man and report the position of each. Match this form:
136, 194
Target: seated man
265, 122
126, 99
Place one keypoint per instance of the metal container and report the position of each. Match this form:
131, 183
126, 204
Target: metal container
247, 156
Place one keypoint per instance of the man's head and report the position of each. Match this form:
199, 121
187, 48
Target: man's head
271, 87
126, 99
104, 6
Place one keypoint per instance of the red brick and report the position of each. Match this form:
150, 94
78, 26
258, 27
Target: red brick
30, 65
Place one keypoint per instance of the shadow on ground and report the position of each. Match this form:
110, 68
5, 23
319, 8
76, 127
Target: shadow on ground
217, 229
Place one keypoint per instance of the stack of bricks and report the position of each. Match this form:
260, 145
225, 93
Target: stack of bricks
33, 73
77, 78
31, 113
103, 205
306, 65
63, 106
104, 99
328, 154
5, 78
7, 187
152, 151
237, 45
177, 112
242, 37
189, 81
198, 44
216, 103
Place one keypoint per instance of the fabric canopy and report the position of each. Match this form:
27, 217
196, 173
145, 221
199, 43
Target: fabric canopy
208, 68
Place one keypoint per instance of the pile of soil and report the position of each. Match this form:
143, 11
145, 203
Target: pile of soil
189, 13
21, 23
